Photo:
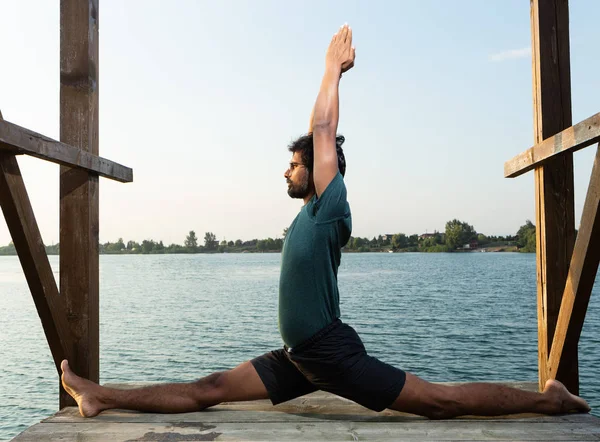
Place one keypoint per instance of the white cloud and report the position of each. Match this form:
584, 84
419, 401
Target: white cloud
511, 54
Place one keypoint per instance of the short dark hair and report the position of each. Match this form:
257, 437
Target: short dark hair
305, 146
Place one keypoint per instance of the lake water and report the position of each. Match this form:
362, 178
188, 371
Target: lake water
444, 317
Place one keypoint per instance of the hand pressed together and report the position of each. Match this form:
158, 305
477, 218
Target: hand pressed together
341, 53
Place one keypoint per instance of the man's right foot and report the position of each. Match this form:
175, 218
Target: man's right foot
565, 401
85, 392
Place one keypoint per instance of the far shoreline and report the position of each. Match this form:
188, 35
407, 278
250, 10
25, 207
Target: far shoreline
135, 253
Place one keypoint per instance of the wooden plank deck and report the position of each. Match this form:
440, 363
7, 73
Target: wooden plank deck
318, 416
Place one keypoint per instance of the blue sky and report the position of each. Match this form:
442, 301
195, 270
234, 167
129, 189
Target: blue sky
202, 98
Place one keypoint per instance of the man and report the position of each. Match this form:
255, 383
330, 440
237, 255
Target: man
321, 352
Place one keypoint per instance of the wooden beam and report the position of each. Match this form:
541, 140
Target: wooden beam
554, 189
571, 140
582, 274
18, 140
79, 226
26, 236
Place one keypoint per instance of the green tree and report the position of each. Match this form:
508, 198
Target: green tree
210, 241
53, 249
458, 233
191, 241
261, 245
413, 240
147, 246
9, 249
482, 239
358, 243
428, 243
399, 241
133, 246
238, 243
526, 239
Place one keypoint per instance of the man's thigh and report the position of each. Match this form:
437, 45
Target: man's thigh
280, 377
242, 384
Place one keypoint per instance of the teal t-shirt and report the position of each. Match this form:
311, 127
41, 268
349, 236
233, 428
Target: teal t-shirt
308, 290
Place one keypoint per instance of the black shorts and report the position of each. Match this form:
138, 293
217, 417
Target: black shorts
333, 360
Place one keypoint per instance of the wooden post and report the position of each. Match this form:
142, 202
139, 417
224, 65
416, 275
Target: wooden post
554, 189
79, 270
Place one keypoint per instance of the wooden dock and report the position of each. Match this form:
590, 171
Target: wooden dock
318, 416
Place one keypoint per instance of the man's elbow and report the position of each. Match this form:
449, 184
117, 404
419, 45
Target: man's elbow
323, 127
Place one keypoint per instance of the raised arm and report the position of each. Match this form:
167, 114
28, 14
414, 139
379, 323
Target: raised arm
339, 58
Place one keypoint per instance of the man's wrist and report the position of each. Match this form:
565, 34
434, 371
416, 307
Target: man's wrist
333, 70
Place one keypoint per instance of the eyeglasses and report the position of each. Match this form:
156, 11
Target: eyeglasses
294, 165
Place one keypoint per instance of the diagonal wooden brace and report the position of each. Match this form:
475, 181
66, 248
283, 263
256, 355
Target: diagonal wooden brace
572, 139
582, 274
32, 254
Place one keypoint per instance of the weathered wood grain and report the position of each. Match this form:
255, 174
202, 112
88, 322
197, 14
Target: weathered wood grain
346, 429
554, 189
18, 140
310, 431
79, 219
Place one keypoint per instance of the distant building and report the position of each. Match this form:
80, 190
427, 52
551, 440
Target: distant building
387, 237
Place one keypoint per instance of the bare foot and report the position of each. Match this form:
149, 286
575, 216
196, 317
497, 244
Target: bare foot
566, 401
85, 392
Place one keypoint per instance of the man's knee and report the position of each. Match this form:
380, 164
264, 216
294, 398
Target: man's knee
211, 390
438, 411
443, 406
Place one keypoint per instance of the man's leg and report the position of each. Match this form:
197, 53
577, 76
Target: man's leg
240, 384
437, 401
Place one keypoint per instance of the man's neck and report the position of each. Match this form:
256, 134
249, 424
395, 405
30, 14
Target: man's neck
308, 197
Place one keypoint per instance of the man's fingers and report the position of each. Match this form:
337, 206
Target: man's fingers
335, 37
345, 33
349, 36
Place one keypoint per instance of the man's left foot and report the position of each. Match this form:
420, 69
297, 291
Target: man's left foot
87, 393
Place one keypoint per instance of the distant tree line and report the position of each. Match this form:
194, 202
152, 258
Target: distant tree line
458, 236
191, 245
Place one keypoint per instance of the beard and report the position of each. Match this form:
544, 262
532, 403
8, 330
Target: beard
299, 190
